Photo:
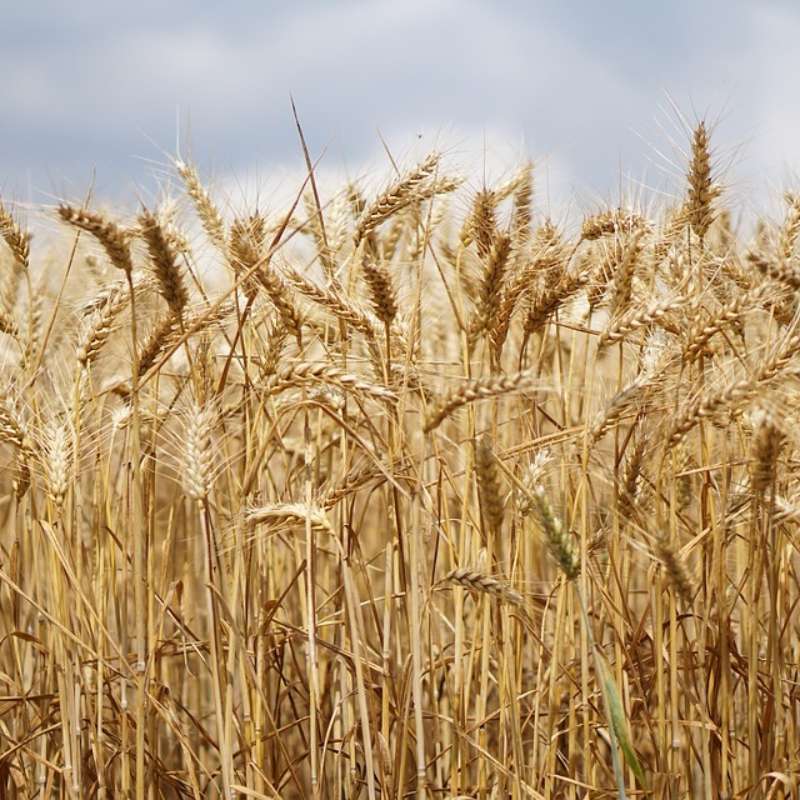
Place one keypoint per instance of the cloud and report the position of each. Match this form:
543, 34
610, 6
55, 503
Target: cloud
776, 125
572, 87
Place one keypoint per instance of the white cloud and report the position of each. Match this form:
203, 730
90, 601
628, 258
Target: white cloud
531, 77
776, 129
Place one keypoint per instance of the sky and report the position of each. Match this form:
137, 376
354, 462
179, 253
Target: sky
597, 94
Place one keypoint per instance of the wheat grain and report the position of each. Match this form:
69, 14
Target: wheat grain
18, 240
395, 198
199, 451
489, 485
676, 570
382, 293
209, 215
296, 374
288, 513
114, 238
702, 192
479, 582
635, 319
164, 260
479, 389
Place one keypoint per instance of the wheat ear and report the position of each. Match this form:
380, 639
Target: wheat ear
113, 237
478, 389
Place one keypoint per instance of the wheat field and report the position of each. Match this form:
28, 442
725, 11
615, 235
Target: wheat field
407, 493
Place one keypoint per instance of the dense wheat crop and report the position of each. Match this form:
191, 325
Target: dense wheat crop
412, 492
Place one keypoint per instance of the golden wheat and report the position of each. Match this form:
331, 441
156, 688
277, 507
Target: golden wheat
435, 498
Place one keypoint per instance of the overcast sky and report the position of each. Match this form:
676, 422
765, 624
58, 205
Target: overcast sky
581, 87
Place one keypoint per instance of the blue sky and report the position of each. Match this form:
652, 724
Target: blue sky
580, 87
